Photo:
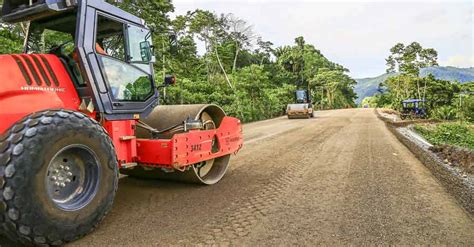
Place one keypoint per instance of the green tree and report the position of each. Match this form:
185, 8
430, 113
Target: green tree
411, 58
12, 37
336, 88
407, 62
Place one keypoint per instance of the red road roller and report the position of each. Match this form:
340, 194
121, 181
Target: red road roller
76, 113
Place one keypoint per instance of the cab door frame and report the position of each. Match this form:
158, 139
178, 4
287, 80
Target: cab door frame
88, 12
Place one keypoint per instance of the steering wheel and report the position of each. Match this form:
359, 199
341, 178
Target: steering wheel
59, 49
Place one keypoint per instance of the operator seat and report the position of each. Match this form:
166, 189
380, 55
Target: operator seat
99, 49
72, 63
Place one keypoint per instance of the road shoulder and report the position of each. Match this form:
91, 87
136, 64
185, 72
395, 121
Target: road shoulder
459, 186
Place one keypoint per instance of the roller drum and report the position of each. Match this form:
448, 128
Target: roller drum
165, 116
208, 172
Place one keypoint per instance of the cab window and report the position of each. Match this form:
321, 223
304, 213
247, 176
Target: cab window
126, 80
47, 34
139, 44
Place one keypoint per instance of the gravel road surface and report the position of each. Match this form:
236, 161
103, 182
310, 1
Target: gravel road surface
341, 178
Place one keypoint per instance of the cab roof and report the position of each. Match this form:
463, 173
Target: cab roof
413, 101
21, 10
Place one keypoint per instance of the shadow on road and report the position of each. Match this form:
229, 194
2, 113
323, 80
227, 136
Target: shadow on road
131, 190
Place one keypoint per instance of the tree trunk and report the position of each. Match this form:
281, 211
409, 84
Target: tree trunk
223, 69
237, 50
424, 90
206, 44
418, 88
239, 108
25, 26
398, 88
328, 92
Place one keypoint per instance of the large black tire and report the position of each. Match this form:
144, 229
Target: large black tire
28, 212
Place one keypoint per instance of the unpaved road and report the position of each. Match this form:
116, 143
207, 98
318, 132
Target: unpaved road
341, 178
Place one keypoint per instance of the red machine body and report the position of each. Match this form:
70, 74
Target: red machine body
40, 82
181, 150
192, 147
33, 83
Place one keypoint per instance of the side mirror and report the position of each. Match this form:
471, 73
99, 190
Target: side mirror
169, 80
145, 51
173, 44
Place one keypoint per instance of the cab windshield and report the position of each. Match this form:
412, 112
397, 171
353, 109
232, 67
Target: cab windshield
301, 96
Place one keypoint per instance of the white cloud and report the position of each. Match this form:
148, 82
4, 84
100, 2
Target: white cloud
356, 34
458, 61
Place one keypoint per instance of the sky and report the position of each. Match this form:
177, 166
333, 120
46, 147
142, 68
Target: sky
357, 34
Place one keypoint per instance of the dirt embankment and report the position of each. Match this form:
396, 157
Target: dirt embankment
456, 156
450, 165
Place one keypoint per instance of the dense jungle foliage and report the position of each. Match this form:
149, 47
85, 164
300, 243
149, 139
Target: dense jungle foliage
238, 70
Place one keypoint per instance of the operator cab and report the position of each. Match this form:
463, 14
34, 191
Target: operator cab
106, 51
414, 108
302, 96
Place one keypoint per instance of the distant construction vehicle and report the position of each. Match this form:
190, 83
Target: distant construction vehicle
413, 108
303, 108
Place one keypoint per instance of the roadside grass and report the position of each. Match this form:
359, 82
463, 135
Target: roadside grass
451, 133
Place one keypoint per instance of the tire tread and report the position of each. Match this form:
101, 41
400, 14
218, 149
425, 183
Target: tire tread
14, 224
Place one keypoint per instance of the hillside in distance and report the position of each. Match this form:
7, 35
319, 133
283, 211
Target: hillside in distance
368, 86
